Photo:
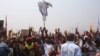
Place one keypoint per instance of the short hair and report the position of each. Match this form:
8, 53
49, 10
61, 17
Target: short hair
2, 38
70, 37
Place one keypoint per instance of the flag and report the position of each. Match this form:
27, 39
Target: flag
43, 6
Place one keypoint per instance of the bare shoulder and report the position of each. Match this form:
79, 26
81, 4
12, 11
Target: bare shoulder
97, 54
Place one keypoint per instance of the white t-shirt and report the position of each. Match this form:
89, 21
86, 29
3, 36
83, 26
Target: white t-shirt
48, 48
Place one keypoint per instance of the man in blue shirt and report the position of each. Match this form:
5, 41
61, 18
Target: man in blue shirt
70, 48
4, 49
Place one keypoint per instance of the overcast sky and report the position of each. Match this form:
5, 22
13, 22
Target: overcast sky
65, 14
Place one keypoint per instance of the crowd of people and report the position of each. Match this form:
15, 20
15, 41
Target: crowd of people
52, 44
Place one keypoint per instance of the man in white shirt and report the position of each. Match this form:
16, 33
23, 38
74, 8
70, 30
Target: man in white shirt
70, 48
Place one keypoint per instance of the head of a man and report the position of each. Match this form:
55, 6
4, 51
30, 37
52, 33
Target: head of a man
70, 37
2, 39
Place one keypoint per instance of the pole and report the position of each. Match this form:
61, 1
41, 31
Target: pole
44, 19
44, 23
98, 23
6, 24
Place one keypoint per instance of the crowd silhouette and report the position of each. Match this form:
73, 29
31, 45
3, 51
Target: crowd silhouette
50, 44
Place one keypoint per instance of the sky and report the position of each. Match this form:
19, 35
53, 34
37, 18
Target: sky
65, 14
